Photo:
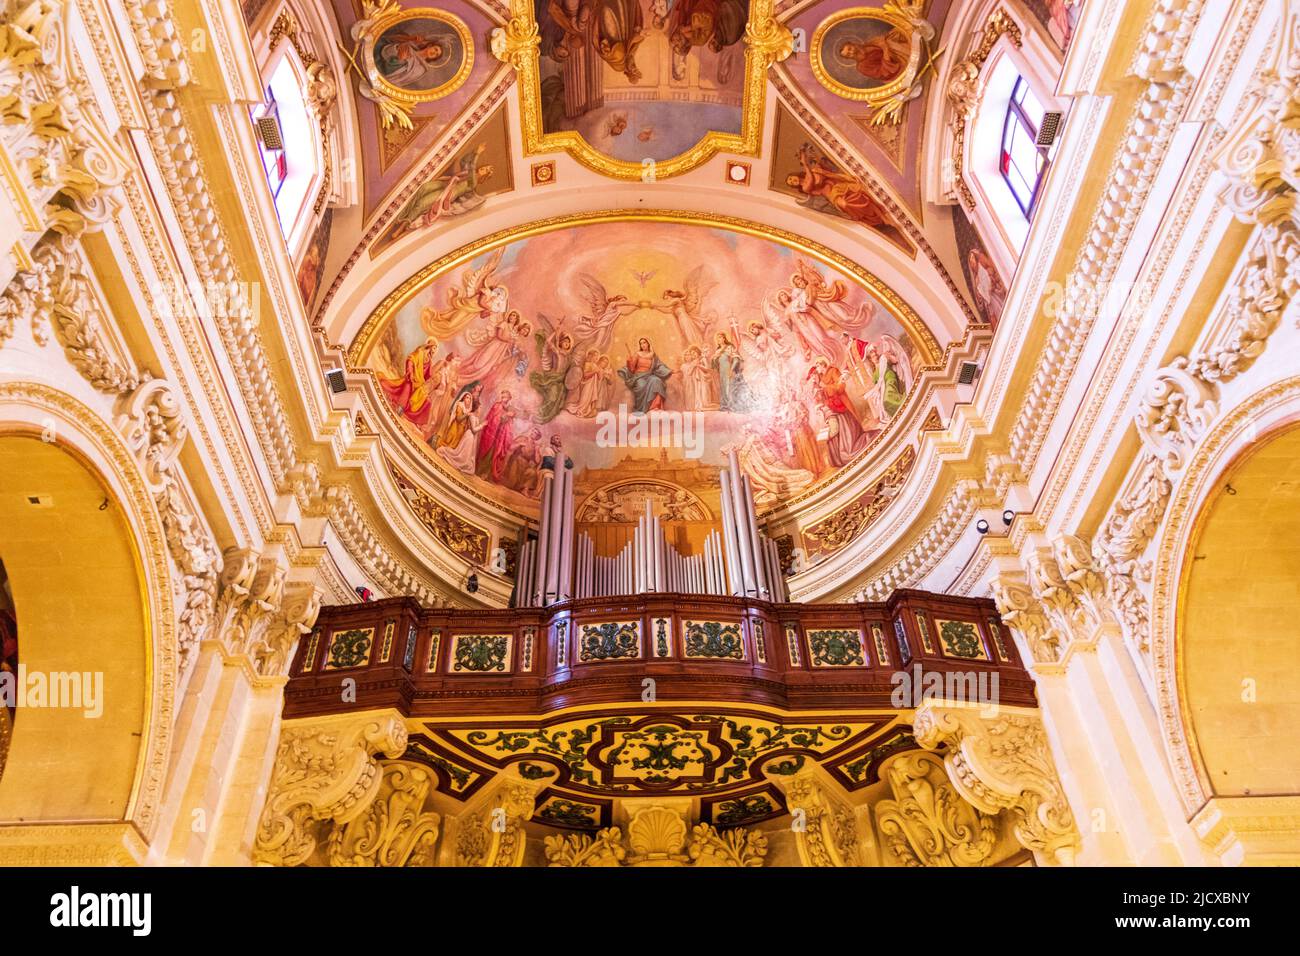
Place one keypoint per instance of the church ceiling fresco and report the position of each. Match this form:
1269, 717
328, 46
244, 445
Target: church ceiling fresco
640, 89
853, 67
579, 338
415, 68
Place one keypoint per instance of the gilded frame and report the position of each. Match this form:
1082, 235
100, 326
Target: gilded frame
877, 95
397, 94
766, 42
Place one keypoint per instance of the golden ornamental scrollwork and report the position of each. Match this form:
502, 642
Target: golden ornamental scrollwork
927, 823
659, 836
325, 769
518, 44
1003, 762
905, 19
395, 101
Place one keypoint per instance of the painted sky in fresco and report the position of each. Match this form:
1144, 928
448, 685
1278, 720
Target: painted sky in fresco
785, 360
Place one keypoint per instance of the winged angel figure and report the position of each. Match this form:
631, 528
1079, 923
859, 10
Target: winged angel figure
477, 297
596, 328
685, 305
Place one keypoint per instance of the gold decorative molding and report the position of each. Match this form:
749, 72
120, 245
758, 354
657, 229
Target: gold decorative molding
927, 823
517, 44
825, 825
659, 836
397, 829
888, 98
964, 92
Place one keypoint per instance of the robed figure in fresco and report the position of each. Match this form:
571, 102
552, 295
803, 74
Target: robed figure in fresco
823, 183
412, 393
879, 58
844, 434
646, 377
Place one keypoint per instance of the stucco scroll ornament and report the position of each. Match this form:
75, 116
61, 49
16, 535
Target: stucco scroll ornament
324, 770
65, 158
1003, 763
1176, 410
1023, 613
248, 607
927, 823
658, 836
495, 836
396, 830
826, 831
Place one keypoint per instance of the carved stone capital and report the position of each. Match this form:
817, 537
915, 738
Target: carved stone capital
397, 829
494, 834
928, 823
1004, 763
825, 826
325, 769
1022, 612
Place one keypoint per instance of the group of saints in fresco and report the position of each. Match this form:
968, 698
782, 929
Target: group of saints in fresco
803, 384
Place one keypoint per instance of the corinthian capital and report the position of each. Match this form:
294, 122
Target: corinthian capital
1023, 613
1004, 763
325, 769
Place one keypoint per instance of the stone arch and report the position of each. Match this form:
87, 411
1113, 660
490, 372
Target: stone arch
1241, 435
91, 578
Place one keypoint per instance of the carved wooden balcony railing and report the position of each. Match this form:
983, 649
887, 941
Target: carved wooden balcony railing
653, 647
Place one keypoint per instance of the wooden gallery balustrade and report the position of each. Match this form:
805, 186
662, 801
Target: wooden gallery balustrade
653, 647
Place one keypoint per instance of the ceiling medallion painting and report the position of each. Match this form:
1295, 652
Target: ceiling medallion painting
406, 57
668, 340
879, 56
642, 89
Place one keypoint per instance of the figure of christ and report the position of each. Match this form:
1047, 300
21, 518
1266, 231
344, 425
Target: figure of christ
458, 440
646, 378
818, 180
845, 437
592, 387
404, 59
410, 394
492, 346
699, 381
498, 434
523, 471
881, 58
566, 37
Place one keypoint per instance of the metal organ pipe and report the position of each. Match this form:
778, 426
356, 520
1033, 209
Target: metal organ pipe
755, 539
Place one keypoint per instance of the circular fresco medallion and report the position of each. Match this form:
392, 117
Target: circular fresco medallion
866, 54
418, 55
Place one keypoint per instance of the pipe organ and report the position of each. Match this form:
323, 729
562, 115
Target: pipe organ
560, 565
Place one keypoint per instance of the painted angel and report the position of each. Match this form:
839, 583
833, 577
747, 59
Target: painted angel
596, 328
554, 346
685, 305
478, 297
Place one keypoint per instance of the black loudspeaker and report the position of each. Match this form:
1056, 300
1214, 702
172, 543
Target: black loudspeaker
337, 383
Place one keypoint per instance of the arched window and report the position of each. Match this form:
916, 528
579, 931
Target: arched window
287, 137
1022, 161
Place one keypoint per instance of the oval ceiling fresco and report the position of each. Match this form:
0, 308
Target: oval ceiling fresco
623, 342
